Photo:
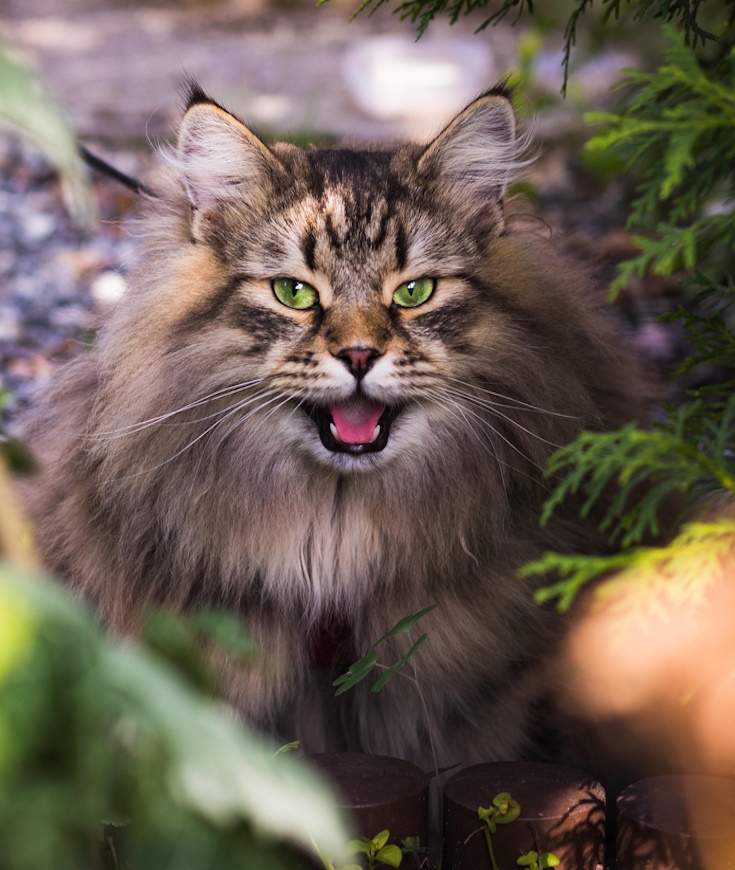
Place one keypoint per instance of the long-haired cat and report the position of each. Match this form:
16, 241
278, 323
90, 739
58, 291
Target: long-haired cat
326, 403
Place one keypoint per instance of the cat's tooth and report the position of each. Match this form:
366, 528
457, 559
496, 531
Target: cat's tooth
376, 432
333, 430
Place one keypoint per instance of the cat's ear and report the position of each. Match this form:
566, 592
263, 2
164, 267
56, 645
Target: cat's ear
219, 158
476, 153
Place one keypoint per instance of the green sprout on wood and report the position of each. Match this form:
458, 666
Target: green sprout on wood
377, 850
533, 861
502, 811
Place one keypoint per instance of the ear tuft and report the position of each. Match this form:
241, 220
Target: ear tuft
476, 154
194, 94
219, 158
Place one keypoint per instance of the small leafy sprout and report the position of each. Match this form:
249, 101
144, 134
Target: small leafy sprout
411, 844
361, 668
502, 811
378, 851
534, 861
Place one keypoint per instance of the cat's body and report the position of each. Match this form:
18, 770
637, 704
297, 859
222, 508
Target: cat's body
326, 403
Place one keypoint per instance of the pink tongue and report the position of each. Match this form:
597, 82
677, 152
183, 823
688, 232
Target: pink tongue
356, 420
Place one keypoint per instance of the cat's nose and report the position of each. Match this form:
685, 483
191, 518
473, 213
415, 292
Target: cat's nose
359, 360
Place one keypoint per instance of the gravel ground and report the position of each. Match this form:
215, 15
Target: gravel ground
55, 280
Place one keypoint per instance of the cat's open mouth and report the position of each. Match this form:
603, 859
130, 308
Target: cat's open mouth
356, 426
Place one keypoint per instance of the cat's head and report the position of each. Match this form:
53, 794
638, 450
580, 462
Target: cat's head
347, 287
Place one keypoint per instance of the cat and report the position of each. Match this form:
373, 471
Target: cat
326, 403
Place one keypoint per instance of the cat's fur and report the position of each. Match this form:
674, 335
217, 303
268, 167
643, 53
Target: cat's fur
181, 468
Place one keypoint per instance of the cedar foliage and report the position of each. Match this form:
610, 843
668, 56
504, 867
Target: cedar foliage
678, 134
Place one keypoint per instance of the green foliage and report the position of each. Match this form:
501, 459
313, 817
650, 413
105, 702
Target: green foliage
534, 861
27, 109
502, 811
690, 451
678, 572
678, 134
108, 759
364, 666
679, 131
377, 851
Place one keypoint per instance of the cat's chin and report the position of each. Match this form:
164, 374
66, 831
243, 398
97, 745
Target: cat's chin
322, 418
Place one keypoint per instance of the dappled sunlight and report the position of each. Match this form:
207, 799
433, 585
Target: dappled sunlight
652, 660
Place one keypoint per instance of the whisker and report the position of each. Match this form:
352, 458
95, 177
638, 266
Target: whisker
488, 446
241, 420
516, 402
493, 409
133, 428
209, 429
496, 431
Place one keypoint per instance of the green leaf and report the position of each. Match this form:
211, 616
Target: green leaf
26, 107
390, 855
509, 814
357, 672
379, 840
354, 847
406, 624
288, 747
180, 767
549, 859
381, 682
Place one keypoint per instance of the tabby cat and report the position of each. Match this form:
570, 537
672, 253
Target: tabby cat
326, 403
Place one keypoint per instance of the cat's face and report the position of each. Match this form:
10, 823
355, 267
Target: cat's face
347, 297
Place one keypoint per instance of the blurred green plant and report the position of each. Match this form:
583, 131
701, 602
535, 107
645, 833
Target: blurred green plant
109, 759
27, 109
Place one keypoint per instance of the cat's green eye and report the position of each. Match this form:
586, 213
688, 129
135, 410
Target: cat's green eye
295, 294
413, 293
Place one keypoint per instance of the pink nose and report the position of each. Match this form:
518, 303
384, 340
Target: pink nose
358, 359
